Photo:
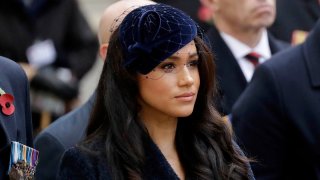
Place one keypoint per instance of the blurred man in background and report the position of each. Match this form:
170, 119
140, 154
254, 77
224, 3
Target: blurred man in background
240, 42
277, 118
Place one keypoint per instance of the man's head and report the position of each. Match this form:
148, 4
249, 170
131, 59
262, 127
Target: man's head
112, 17
242, 15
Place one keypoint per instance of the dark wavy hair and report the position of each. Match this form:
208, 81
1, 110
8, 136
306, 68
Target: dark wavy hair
203, 140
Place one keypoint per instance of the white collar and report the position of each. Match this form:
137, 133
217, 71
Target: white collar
239, 49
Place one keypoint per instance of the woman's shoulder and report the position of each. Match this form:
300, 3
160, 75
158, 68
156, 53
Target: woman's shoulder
84, 162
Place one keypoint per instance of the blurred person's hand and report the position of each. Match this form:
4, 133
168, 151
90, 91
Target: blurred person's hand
29, 70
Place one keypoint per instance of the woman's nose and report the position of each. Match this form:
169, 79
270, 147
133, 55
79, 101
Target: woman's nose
185, 77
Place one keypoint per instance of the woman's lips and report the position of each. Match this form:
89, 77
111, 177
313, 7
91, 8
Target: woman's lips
264, 8
185, 96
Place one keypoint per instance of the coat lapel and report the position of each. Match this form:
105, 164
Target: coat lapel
157, 167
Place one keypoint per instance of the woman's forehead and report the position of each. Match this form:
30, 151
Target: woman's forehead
189, 49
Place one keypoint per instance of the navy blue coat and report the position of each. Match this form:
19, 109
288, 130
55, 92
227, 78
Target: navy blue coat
18, 126
78, 163
277, 118
231, 80
64, 133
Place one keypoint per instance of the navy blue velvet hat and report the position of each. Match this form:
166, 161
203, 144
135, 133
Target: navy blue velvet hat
150, 34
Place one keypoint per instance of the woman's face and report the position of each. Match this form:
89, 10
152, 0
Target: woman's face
171, 88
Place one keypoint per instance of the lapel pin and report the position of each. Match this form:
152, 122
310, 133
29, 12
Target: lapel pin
6, 103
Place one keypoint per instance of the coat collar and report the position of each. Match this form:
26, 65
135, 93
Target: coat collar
157, 167
311, 52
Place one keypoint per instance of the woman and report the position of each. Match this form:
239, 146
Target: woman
153, 117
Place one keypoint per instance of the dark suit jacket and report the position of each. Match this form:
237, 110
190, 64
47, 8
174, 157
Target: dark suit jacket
277, 118
231, 80
18, 126
294, 15
64, 133
78, 163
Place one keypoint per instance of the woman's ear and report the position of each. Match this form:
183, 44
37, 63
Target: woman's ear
103, 51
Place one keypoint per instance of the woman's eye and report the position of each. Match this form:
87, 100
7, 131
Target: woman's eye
168, 67
193, 63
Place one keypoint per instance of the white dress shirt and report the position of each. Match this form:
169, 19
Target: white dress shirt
240, 50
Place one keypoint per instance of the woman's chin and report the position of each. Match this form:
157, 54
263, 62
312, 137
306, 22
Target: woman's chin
184, 113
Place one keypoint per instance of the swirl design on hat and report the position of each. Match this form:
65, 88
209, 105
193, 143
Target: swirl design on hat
152, 33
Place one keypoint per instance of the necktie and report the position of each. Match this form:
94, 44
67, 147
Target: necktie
253, 57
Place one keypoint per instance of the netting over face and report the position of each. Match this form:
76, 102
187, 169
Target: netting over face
150, 34
117, 21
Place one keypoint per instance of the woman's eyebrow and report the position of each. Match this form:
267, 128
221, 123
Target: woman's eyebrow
195, 54
173, 57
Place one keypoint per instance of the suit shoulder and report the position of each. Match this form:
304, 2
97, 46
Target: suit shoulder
11, 69
61, 131
9, 64
69, 129
281, 60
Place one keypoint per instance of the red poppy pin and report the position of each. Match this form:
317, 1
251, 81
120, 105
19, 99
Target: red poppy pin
6, 103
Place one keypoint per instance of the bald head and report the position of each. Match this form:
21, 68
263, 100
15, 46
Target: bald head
113, 15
